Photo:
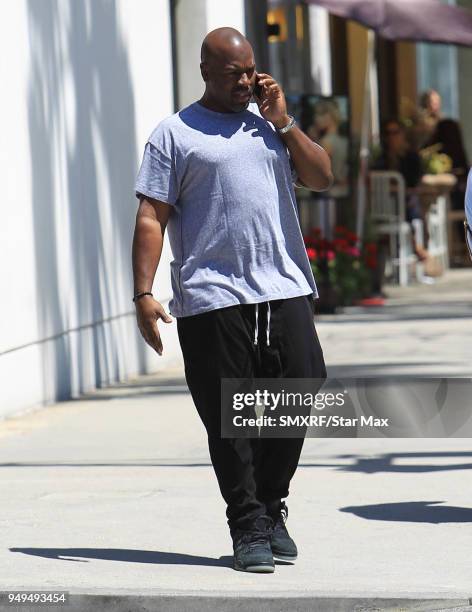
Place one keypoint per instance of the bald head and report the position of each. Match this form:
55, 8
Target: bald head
228, 69
224, 44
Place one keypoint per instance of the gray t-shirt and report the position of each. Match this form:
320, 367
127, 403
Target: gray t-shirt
234, 230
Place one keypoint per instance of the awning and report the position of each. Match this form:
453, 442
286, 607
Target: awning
412, 20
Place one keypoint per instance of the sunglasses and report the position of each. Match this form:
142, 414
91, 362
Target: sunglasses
468, 237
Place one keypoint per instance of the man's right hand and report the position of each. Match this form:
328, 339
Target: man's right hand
148, 311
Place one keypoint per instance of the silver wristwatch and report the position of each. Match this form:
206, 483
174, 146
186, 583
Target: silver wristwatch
288, 127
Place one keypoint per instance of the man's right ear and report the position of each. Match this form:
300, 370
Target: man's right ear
204, 71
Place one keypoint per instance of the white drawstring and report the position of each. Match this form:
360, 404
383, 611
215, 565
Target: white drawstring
256, 330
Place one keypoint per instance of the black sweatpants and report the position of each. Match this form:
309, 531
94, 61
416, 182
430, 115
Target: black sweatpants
253, 473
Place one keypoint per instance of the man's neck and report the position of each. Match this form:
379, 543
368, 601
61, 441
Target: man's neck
212, 105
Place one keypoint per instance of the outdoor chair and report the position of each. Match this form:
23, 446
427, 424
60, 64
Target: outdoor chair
387, 213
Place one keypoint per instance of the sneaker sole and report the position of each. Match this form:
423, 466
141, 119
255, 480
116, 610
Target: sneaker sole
284, 557
259, 569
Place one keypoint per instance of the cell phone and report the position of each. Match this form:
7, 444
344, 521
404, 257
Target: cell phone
257, 87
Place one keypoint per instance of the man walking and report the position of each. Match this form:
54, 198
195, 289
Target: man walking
219, 175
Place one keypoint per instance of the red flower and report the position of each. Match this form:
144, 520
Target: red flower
340, 243
325, 244
353, 251
312, 253
351, 236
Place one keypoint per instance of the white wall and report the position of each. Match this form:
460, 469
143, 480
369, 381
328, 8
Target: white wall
194, 19
84, 83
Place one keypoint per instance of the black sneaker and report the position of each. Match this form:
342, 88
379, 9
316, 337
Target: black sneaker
252, 550
283, 547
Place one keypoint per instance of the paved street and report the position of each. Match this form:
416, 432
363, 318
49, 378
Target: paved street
113, 496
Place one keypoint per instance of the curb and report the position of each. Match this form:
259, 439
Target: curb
224, 603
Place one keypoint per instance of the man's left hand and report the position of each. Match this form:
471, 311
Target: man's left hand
272, 104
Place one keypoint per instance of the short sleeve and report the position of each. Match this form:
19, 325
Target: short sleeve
157, 177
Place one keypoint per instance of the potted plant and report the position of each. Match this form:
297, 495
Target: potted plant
343, 271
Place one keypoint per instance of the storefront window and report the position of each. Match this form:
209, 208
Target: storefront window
437, 69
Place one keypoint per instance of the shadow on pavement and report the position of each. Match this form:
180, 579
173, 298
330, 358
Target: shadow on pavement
39, 464
125, 554
412, 512
130, 556
401, 312
361, 463
385, 463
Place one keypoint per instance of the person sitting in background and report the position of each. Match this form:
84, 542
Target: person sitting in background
448, 138
426, 118
398, 156
325, 130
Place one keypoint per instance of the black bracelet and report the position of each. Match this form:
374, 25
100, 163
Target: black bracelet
140, 295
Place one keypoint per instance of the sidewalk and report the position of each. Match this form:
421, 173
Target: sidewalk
422, 330
113, 497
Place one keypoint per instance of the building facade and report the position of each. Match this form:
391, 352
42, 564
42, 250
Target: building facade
87, 83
